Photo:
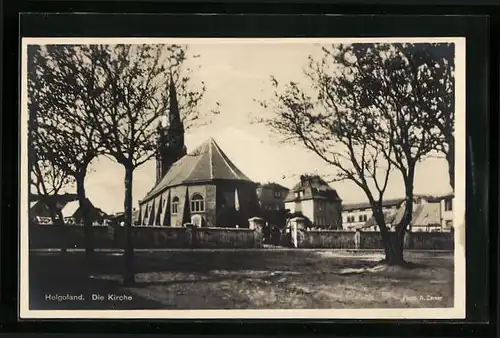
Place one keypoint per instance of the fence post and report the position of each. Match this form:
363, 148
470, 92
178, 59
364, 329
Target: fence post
357, 239
297, 225
190, 235
256, 224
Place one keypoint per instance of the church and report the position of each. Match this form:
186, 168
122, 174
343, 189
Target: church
201, 187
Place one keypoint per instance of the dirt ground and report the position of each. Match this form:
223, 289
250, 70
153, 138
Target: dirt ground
289, 279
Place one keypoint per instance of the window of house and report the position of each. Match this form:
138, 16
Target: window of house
277, 194
175, 205
448, 205
197, 203
360, 218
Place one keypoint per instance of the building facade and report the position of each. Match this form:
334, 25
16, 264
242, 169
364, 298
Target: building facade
359, 215
447, 206
314, 199
430, 214
272, 196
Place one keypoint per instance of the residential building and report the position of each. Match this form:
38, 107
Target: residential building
272, 203
319, 203
272, 196
63, 209
429, 214
356, 215
447, 205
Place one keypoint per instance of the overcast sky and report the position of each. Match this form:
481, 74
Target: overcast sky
235, 75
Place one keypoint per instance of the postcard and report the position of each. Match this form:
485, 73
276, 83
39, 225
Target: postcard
243, 178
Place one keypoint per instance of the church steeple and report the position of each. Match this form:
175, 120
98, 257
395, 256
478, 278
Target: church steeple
170, 137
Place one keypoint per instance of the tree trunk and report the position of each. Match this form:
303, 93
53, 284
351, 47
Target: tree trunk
128, 271
395, 241
52, 211
450, 157
393, 245
85, 214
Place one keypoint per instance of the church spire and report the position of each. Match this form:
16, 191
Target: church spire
175, 123
170, 135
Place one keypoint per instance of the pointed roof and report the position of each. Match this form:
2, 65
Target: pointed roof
174, 117
70, 209
206, 163
312, 187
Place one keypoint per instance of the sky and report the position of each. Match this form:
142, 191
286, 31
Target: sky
235, 75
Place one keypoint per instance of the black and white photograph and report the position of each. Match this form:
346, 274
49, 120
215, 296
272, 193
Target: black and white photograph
243, 178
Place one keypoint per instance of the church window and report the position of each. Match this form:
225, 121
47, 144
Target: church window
197, 203
175, 205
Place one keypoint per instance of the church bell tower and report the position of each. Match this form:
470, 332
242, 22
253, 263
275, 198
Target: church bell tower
170, 136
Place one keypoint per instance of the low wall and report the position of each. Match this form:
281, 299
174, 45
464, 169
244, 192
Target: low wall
431, 240
372, 240
327, 239
72, 236
68, 236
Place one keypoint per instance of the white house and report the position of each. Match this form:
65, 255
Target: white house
356, 215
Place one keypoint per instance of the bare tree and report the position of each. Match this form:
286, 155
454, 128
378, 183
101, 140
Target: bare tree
373, 114
138, 84
46, 178
65, 127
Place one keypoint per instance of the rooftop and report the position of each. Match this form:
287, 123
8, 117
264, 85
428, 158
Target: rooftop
312, 187
206, 163
366, 205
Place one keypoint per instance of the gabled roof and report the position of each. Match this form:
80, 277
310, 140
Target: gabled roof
366, 205
70, 208
206, 163
388, 216
312, 187
423, 215
272, 185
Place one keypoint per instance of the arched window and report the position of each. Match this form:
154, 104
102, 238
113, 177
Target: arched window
175, 205
197, 203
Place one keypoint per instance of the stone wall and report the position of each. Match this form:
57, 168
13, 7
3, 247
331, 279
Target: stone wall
67, 236
72, 236
371, 240
60, 237
328, 239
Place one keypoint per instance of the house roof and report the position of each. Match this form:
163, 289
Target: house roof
423, 215
69, 209
388, 216
272, 185
313, 187
366, 205
206, 163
